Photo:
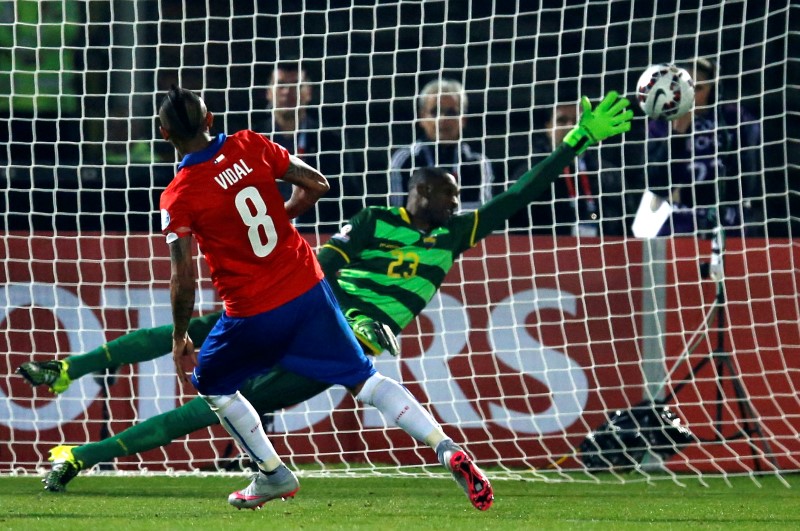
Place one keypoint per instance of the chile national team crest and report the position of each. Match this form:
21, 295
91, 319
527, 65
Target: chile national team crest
165, 219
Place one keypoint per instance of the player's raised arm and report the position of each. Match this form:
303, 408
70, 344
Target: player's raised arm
309, 186
609, 118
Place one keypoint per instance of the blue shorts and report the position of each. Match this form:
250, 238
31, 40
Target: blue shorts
308, 336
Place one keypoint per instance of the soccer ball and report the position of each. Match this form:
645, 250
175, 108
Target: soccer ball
665, 92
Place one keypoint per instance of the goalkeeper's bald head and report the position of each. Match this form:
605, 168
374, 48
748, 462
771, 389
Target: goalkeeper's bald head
427, 175
432, 197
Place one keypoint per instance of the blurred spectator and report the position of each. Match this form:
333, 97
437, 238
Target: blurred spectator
289, 124
712, 149
40, 82
441, 107
586, 201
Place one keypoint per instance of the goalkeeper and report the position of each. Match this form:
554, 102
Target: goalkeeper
384, 266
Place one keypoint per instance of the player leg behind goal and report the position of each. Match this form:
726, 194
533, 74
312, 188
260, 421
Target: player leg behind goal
135, 347
275, 390
268, 393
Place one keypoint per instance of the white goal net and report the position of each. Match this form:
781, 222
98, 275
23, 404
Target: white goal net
565, 347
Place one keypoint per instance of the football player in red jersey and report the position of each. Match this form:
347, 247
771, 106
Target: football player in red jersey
278, 307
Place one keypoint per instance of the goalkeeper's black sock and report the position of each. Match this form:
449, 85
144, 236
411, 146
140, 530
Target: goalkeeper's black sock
152, 433
141, 345
82, 364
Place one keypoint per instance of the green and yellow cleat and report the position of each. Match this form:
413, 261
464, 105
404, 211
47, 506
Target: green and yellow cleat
50, 373
65, 467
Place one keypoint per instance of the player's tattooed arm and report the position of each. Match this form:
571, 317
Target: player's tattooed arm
308, 186
182, 285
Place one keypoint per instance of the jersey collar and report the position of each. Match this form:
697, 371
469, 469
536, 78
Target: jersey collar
205, 154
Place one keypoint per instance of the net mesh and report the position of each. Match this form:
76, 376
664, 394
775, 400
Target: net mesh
539, 335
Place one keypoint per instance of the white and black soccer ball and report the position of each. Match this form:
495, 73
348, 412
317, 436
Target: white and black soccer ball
665, 92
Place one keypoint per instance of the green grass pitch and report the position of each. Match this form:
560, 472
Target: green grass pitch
385, 503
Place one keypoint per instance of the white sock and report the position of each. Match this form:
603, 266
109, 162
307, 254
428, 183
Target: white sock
243, 423
400, 407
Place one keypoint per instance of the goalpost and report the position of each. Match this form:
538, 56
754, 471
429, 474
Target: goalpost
538, 336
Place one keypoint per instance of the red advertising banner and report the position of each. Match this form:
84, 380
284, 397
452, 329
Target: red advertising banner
531, 342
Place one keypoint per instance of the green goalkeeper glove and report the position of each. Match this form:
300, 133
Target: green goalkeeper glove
607, 119
373, 335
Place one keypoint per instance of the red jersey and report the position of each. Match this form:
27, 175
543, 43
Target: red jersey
227, 197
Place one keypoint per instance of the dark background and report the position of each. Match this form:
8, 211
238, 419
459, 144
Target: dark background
368, 60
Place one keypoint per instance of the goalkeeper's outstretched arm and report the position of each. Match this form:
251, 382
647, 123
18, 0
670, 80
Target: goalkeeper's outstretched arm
609, 118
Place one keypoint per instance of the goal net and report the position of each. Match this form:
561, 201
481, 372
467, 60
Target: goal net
565, 347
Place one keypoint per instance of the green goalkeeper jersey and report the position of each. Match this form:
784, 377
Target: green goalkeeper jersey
387, 269
393, 270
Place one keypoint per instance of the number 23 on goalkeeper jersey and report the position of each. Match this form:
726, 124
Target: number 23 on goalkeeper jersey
227, 197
